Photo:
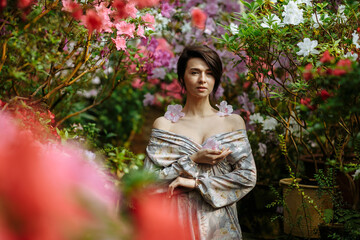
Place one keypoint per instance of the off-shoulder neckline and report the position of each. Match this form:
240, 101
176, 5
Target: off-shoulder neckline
188, 138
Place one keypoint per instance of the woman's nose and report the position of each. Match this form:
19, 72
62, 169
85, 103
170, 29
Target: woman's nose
202, 77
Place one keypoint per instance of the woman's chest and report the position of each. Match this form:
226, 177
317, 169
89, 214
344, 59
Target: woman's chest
199, 132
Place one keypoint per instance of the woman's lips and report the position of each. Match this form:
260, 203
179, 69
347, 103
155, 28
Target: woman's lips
201, 89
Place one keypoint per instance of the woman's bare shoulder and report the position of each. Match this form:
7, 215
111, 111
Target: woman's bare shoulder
162, 123
236, 122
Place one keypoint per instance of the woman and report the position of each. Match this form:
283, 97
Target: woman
202, 155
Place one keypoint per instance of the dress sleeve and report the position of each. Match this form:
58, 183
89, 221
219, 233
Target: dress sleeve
227, 188
184, 166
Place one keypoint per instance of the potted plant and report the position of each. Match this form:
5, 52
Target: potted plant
302, 57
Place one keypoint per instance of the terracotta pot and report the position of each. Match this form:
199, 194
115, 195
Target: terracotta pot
301, 219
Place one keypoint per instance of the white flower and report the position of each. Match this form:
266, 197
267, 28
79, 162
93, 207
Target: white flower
224, 109
270, 21
262, 149
269, 124
174, 113
89, 155
307, 47
357, 172
96, 80
352, 56
234, 29
186, 27
256, 118
292, 14
355, 39
318, 20
341, 15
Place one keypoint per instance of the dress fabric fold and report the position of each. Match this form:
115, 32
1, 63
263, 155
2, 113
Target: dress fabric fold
210, 208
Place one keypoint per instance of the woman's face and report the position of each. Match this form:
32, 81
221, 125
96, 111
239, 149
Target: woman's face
198, 78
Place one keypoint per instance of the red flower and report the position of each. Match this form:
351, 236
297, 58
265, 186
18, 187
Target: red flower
24, 3
92, 21
342, 67
2, 103
145, 3
246, 85
326, 57
307, 74
2, 4
324, 94
198, 17
120, 6
307, 102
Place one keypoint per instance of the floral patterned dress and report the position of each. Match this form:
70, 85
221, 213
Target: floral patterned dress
210, 208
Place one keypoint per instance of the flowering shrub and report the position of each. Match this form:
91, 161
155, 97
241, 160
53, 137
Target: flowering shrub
302, 60
68, 51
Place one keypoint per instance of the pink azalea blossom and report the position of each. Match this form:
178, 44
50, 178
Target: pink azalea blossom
212, 144
224, 109
120, 43
174, 113
125, 28
149, 20
140, 32
72, 7
104, 13
149, 99
137, 83
131, 10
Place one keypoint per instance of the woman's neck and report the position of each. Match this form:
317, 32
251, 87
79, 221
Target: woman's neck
198, 107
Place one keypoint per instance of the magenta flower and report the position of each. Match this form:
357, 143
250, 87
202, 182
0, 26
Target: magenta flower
166, 10
212, 144
174, 113
219, 92
224, 109
149, 99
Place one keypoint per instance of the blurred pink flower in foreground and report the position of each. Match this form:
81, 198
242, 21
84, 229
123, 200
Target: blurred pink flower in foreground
155, 218
46, 189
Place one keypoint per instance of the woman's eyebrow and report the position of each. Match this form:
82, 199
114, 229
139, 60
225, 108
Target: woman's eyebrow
198, 69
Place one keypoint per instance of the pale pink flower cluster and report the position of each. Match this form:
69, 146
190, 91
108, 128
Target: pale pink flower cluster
212, 144
224, 109
174, 113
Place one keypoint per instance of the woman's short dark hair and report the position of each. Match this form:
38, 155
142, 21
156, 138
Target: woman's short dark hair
211, 58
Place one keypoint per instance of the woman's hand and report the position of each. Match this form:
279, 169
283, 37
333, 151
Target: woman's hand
181, 182
209, 156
